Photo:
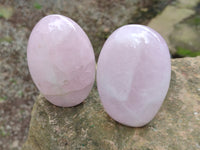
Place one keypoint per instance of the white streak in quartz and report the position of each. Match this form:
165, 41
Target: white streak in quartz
117, 93
119, 80
120, 77
58, 81
59, 24
133, 74
56, 25
61, 60
51, 75
137, 39
150, 32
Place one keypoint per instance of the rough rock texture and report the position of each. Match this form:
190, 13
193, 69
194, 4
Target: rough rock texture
185, 37
87, 126
179, 25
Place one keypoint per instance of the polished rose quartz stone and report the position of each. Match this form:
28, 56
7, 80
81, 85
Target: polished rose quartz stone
133, 74
61, 60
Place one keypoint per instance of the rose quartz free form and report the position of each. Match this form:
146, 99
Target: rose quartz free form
61, 60
133, 74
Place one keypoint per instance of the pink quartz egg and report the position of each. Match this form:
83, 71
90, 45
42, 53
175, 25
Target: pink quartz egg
133, 74
61, 60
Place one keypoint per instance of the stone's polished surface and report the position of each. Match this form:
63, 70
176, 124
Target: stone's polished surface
133, 74
61, 60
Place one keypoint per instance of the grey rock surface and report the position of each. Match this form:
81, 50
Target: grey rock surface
179, 24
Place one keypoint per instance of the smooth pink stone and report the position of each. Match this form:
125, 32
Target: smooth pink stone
133, 74
61, 60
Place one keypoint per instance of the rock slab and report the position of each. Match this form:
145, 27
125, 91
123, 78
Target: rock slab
87, 126
179, 25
